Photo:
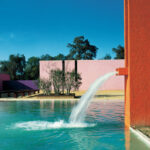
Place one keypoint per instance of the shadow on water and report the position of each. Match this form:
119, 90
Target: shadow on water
109, 95
101, 96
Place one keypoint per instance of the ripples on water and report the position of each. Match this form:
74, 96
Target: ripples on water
44, 125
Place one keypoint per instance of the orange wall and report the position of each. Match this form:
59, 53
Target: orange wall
137, 46
127, 81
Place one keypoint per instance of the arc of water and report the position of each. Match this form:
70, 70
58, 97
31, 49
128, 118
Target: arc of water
79, 111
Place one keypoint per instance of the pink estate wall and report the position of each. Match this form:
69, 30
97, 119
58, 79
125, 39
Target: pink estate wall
3, 77
90, 70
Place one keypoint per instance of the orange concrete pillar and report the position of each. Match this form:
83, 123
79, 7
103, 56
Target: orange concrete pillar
137, 61
127, 78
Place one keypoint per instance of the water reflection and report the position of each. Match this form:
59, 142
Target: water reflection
108, 133
107, 111
51, 106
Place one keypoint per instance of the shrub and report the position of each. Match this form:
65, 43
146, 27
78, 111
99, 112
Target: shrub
46, 86
61, 83
71, 83
56, 77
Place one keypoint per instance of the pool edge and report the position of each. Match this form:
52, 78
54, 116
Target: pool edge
141, 136
28, 99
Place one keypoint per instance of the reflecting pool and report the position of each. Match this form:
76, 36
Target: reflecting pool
43, 125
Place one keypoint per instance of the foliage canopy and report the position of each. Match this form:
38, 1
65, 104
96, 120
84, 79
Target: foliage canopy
15, 66
81, 49
119, 52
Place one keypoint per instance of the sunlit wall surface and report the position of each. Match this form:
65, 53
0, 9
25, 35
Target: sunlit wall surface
90, 70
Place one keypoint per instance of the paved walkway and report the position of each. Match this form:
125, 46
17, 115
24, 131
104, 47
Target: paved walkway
101, 95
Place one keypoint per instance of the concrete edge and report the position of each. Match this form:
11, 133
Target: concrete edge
28, 99
141, 136
25, 99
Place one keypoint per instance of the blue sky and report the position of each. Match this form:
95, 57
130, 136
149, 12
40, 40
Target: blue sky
36, 27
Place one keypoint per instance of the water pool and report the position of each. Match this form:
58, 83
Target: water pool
43, 125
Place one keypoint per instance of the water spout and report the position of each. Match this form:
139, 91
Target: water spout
79, 111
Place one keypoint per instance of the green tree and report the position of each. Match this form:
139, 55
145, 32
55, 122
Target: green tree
45, 86
15, 66
60, 57
81, 49
71, 83
57, 57
57, 82
32, 68
107, 56
46, 57
4, 66
119, 52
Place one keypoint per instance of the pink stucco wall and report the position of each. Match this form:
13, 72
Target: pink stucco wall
90, 70
3, 77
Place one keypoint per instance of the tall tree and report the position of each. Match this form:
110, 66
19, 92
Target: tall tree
57, 57
107, 56
15, 66
46, 57
60, 57
32, 68
119, 52
81, 49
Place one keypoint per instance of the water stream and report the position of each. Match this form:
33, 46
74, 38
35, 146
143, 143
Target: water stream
79, 111
76, 119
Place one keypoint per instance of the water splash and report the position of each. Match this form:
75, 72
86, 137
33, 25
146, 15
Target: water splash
79, 111
45, 125
77, 116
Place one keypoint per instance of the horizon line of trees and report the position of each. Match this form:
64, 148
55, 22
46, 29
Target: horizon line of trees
81, 49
